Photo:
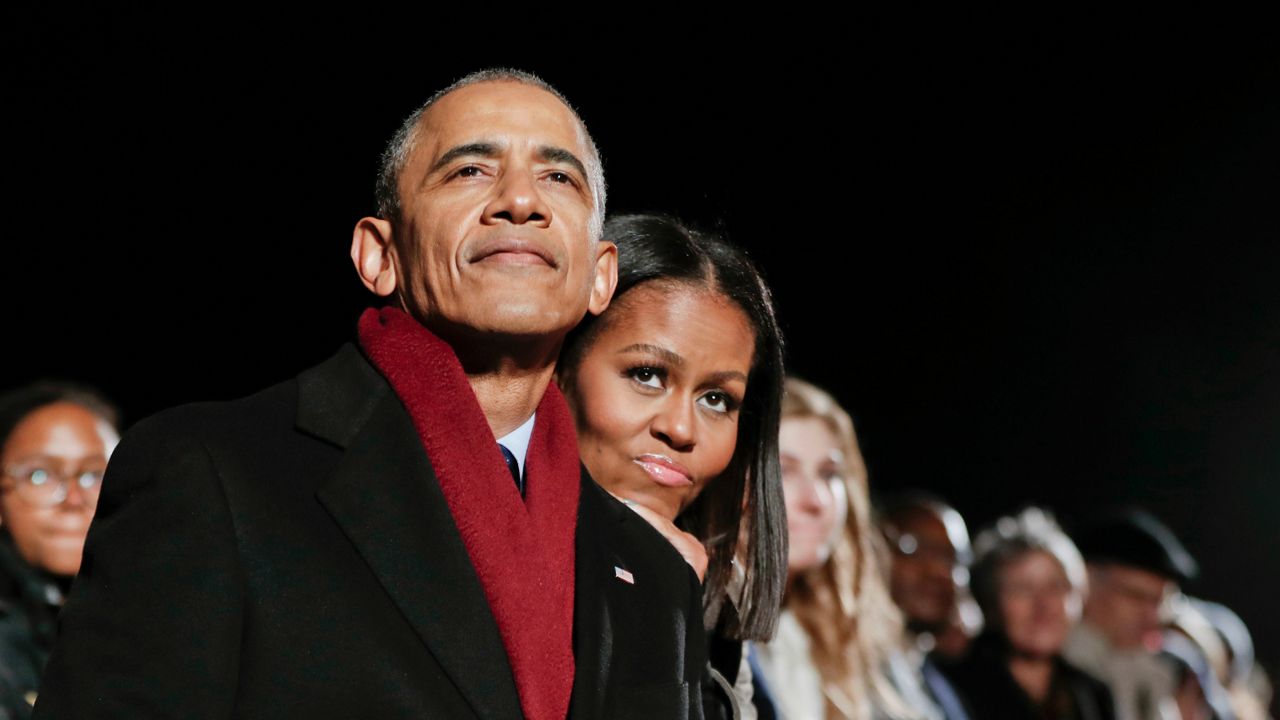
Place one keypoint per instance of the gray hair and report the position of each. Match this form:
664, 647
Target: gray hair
397, 152
1011, 537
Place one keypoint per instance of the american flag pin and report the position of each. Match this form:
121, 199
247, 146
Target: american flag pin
624, 575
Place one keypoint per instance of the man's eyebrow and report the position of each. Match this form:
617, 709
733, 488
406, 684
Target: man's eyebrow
553, 154
476, 149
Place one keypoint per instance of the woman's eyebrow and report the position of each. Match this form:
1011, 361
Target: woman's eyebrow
668, 356
725, 376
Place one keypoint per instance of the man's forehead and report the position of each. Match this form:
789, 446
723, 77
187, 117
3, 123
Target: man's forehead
505, 112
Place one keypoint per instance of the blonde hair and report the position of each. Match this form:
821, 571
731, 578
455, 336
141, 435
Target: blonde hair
844, 605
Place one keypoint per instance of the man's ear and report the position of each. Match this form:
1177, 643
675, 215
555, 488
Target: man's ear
606, 279
374, 255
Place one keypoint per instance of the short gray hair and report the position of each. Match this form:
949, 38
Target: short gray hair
1011, 537
398, 150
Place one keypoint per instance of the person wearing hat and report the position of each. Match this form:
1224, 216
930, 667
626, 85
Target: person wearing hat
1136, 565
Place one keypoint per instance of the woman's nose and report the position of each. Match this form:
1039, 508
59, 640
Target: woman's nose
674, 423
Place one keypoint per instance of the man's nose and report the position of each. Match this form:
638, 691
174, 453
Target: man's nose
674, 423
518, 200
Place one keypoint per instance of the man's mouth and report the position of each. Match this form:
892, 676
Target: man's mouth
664, 470
511, 251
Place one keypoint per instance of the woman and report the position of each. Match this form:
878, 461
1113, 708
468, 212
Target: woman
54, 445
838, 626
676, 391
1029, 579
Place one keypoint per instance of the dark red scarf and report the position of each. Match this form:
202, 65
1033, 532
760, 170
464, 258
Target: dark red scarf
521, 550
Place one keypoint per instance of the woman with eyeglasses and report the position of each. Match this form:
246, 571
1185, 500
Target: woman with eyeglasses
54, 443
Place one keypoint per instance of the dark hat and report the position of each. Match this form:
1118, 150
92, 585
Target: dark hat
1137, 538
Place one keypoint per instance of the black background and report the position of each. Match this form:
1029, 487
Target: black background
1035, 257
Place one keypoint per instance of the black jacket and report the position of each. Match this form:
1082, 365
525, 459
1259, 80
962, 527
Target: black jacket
991, 693
291, 555
28, 608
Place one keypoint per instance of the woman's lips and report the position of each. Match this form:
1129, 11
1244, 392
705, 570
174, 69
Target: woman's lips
664, 470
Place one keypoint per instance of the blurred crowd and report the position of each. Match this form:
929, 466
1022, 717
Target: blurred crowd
893, 612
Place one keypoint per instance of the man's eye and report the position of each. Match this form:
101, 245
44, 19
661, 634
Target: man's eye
467, 171
647, 376
559, 177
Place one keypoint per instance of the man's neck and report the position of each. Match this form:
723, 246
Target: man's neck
508, 378
509, 399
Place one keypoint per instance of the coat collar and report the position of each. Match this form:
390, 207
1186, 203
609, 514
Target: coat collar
384, 496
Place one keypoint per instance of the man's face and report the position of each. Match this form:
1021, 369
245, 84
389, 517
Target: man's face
922, 575
496, 209
1126, 603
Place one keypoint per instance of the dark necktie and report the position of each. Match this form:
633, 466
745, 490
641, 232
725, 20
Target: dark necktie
513, 466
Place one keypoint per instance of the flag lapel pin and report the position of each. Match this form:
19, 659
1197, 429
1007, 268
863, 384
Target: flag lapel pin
624, 575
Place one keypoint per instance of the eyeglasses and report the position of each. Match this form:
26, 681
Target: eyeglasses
45, 487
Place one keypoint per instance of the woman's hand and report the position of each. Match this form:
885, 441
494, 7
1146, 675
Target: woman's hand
687, 545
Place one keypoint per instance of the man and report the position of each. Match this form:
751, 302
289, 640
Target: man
1135, 564
928, 572
931, 557
353, 543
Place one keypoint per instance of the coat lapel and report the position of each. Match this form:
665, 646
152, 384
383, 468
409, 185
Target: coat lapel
384, 496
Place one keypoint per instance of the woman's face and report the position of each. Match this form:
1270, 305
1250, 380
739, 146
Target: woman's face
58, 440
1035, 604
656, 394
813, 484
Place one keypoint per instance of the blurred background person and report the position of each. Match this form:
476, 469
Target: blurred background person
1030, 581
55, 439
1247, 686
1210, 653
1197, 692
1135, 566
676, 391
930, 569
838, 625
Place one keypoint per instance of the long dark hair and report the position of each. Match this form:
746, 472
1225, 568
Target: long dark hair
658, 248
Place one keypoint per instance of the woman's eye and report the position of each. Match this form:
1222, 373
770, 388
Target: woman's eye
647, 376
718, 401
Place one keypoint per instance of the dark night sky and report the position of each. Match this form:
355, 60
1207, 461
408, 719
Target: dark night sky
1037, 263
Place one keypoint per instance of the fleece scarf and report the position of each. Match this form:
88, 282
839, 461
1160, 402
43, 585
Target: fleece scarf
522, 551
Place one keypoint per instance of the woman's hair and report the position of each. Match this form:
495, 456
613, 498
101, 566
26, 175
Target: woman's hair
17, 404
844, 605
1010, 538
658, 249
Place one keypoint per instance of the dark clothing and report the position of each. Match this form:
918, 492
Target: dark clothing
991, 693
28, 613
942, 692
724, 658
761, 695
291, 554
